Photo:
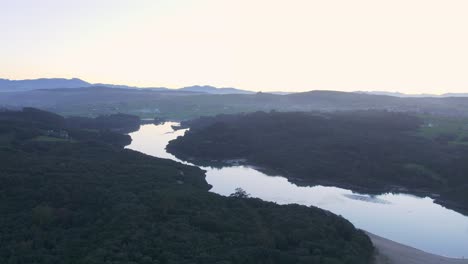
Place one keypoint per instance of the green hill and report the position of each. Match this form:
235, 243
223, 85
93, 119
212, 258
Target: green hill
88, 200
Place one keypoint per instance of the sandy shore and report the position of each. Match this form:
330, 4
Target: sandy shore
390, 252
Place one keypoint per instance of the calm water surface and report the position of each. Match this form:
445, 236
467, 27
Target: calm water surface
407, 219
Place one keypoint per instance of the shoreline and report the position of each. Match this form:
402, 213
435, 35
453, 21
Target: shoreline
391, 252
388, 251
421, 193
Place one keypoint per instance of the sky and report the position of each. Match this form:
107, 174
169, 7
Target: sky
411, 46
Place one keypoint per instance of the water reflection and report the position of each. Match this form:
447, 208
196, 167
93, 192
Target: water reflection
366, 198
407, 219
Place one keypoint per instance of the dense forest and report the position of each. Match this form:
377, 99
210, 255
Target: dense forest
370, 151
185, 105
70, 193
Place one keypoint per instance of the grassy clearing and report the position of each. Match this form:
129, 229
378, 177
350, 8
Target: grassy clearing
423, 171
454, 130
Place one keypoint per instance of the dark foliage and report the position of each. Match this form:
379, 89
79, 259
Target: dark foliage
31, 123
367, 150
87, 201
116, 122
183, 105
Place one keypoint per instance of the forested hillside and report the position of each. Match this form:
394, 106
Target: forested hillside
371, 151
183, 105
69, 198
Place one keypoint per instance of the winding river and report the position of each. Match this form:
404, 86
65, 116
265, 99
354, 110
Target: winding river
407, 219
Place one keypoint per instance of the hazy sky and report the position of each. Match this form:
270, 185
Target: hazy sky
411, 46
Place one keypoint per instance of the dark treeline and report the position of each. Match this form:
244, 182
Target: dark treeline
184, 105
34, 123
372, 151
87, 201
117, 122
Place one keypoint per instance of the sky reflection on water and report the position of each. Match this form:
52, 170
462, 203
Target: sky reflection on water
407, 219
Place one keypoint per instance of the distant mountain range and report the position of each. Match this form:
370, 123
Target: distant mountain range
61, 83
214, 90
174, 104
397, 94
7, 85
27, 85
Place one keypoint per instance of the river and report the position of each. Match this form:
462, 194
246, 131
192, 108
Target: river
414, 221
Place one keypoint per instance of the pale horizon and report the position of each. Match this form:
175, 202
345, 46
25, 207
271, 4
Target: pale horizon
271, 91
412, 47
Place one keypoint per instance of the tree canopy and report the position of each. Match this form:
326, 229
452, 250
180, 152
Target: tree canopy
370, 151
87, 200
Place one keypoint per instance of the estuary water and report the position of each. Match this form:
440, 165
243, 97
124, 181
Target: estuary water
414, 221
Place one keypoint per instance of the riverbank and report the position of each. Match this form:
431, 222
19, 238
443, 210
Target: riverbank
390, 252
368, 152
403, 214
439, 198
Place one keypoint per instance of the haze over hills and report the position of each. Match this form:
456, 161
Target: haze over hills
398, 94
181, 105
214, 90
43, 83
7, 85
88, 99
198, 132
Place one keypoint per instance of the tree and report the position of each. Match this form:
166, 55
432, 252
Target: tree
240, 193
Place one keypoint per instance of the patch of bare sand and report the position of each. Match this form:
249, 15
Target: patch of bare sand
390, 252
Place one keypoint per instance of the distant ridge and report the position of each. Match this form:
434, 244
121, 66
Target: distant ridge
398, 94
214, 90
455, 95
7, 85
